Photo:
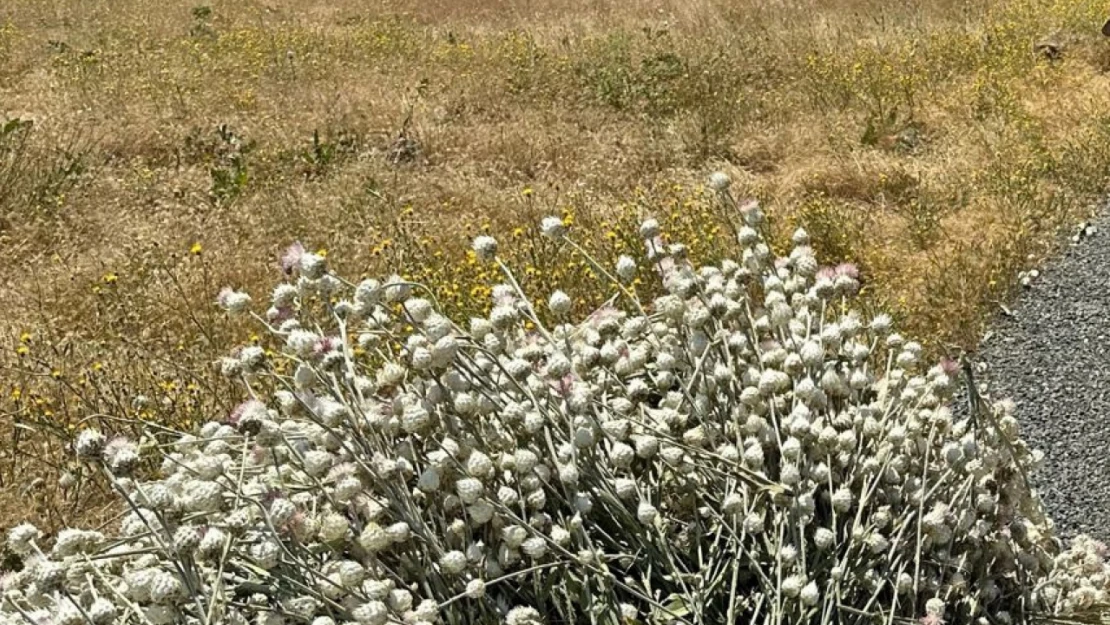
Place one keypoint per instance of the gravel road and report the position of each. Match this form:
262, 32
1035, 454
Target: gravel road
1052, 357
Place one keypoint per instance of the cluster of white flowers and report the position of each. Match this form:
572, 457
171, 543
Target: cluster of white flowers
745, 447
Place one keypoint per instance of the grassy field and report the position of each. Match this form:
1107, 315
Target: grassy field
152, 152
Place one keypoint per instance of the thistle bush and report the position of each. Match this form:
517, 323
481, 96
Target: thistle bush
743, 448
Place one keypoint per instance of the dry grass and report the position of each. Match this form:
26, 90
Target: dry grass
929, 142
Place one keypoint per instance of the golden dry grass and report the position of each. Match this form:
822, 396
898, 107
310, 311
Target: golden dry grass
173, 152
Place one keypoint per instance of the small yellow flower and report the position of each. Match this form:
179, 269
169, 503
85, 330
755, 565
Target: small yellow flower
22, 350
196, 249
110, 278
25, 337
527, 192
322, 253
56, 374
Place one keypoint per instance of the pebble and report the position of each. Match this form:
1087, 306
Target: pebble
1052, 357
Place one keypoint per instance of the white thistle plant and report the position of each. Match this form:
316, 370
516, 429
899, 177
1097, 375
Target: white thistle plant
727, 453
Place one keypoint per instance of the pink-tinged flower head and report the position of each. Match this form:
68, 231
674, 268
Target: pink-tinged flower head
271, 495
291, 257
247, 407
949, 366
666, 266
603, 314
847, 269
826, 273
324, 345
1100, 548
224, 297
295, 523
278, 314
563, 386
768, 345
782, 262
931, 619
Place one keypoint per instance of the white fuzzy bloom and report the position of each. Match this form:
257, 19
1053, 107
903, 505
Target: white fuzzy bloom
810, 595
646, 446
479, 465
418, 308
733, 504
481, 512
534, 547
526, 460
935, 607
469, 490
302, 342
625, 488
646, 513
233, 301
453, 562
754, 523
102, 611
399, 532
475, 589
626, 268
333, 527
719, 181
514, 536
284, 295
164, 587
281, 511
89, 444
373, 538
485, 247
568, 474
522, 615
621, 455
21, 537
792, 586
553, 228
824, 538
371, 613
559, 303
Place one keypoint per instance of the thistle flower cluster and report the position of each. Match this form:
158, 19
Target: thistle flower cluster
744, 448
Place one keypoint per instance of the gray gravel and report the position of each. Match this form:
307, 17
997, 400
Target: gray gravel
1052, 357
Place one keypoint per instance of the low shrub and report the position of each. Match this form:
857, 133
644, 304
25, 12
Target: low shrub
743, 448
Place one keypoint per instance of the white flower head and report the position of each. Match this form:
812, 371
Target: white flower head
90, 444
485, 247
553, 228
626, 268
719, 181
233, 301
559, 303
